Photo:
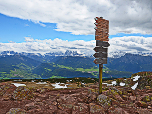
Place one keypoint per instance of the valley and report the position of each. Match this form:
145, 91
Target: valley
36, 66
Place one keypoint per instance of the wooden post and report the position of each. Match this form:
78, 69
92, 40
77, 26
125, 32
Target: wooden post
100, 78
101, 37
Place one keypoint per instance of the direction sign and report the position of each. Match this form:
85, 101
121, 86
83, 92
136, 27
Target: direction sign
100, 61
102, 38
98, 18
101, 27
100, 55
99, 30
101, 43
100, 49
102, 22
102, 34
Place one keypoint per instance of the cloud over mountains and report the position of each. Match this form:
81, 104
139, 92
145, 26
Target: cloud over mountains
77, 16
130, 44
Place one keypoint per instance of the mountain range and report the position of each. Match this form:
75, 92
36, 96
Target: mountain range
70, 64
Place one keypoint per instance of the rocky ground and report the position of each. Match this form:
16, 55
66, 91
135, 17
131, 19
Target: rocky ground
80, 99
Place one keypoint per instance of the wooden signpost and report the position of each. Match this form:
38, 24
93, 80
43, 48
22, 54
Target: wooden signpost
102, 44
100, 61
100, 55
100, 49
101, 37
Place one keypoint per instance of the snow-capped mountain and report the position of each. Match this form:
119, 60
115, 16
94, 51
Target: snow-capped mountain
67, 53
116, 54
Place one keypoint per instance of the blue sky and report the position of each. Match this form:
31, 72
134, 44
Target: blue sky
19, 28
46, 26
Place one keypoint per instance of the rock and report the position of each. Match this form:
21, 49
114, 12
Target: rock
139, 98
30, 106
125, 97
6, 97
39, 103
133, 98
149, 91
149, 107
141, 104
37, 100
66, 107
66, 91
89, 98
80, 108
60, 112
22, 93
85, 93
119, 111
113, 110
104, 101
93, 96
115, 94
119, 98
55, 103
114, 102
42, 95
96, 109
16, 111
146, 98
66, 103
52, 108
130, 94
80, 100
86, 100
77, 94
93, 86
150, 94
143, 111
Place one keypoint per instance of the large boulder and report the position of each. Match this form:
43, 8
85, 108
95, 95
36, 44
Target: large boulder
16, 111
96, 109
104, 101
80, 108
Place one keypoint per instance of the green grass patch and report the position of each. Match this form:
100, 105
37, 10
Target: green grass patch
57, 77
3, 72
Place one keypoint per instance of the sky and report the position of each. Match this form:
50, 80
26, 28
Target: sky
44, 26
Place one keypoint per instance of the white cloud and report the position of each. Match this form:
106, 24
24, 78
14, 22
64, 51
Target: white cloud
47, 46
29, 39
77, 16
38, 22
130, 44
27, 25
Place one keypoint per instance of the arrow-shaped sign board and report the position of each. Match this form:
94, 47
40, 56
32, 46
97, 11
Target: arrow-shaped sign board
100, 55
100, 49
101, 43
101, 21
101, 27
105, 38
101, 32
100, 61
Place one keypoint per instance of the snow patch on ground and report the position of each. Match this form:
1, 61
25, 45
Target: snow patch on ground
56, 85
134, 87
136, 78
17, 84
